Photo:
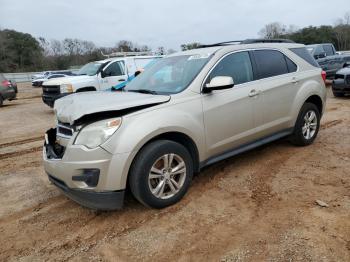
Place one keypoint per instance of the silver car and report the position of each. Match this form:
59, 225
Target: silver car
187, 111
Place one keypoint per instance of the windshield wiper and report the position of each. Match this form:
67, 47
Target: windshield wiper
144, 91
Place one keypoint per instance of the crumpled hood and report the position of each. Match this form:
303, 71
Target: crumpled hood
73, 107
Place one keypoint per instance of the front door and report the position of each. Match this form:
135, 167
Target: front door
113, 75
229, 114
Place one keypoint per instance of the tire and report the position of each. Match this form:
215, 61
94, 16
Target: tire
337, 94
304, 132
1, 101
152, 157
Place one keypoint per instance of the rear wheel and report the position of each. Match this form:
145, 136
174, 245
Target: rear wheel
1, 101
307, 125
161, 174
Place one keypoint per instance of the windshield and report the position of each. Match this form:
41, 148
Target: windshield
90, 69
169, 75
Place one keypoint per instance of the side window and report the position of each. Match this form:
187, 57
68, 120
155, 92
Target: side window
237, 65
328, 49
319, 50
115, 69
292, 67
304, 54
270, 63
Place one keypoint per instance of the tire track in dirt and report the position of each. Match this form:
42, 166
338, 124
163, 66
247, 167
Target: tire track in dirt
20, 153
331, 124
21, 142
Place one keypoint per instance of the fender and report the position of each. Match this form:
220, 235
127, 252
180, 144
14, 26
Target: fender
308, 89
140, 128
85, 89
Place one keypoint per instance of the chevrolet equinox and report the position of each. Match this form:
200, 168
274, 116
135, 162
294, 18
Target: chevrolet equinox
187, 111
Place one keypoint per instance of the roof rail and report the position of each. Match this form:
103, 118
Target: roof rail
254, 41
248, 41
124, 54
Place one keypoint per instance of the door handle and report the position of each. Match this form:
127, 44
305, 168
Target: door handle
253, 93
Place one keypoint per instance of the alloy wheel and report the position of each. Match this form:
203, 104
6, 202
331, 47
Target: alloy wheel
167, 176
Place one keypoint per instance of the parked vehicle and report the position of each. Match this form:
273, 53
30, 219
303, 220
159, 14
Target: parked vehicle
341, 83
94, 76
39, 81
328, 58
47, 73
187, 111
8, 89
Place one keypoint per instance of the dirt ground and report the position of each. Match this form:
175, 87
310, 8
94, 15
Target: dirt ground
259, 206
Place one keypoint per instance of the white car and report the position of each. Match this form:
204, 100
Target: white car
95, 76
39, 81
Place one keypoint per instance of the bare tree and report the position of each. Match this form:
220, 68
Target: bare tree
273, 30
45, 45
56, 47
342, 32
160, 50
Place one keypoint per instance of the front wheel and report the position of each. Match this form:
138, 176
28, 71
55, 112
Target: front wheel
307, 125
161, 174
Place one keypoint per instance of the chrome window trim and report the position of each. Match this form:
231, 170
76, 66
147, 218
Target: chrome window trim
255, 80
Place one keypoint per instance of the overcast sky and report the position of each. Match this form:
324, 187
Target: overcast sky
160, 22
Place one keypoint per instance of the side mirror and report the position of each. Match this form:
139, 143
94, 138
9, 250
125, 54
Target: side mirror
219, 83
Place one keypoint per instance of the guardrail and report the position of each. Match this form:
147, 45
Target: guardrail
20, 77
27, 76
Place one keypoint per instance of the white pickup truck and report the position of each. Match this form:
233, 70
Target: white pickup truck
95, 76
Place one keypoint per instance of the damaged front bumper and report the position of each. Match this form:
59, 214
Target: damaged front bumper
82, 174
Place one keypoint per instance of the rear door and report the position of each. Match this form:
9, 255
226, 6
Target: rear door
277, 86
229, 114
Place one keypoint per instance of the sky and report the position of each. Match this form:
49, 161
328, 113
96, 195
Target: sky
162, 23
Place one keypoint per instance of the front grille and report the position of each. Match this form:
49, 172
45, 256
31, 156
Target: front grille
51, 90
65, 130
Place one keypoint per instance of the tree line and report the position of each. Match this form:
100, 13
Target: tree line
20, 52
338, 34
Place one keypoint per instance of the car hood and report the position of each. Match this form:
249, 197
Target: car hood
68, 80
344, 71
71, 108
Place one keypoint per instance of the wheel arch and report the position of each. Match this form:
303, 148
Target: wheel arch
317, 101
174, 136
86, 89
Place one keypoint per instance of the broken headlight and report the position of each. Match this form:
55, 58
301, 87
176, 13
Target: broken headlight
97, 133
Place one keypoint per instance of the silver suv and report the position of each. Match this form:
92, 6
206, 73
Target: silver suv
187, 111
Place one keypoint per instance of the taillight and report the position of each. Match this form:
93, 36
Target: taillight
6, 83
324, 75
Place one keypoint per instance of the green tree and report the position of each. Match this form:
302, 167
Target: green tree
19, 51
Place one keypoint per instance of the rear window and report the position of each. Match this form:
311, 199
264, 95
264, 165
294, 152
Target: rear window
304, 54
270, 63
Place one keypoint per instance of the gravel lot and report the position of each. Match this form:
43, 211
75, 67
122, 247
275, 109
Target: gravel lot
259, 206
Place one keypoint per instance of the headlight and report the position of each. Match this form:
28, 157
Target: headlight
66, 88
97, 133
